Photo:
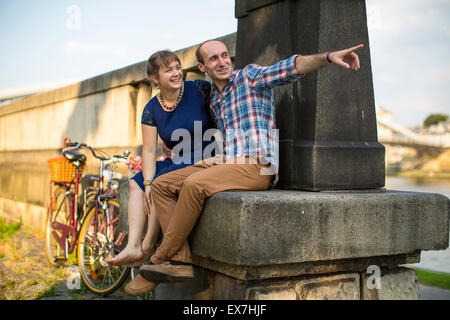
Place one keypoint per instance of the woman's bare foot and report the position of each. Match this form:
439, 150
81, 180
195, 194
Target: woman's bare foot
126, 257
147, 253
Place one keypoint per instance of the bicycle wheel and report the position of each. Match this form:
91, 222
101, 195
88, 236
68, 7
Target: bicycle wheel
99, 241
58, 212
83, 207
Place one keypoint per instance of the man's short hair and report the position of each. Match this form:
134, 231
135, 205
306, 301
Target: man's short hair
199, 56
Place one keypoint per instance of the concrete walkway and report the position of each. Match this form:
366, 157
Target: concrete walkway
433, 293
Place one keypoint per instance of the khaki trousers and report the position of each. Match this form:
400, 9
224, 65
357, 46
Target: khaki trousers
179, 197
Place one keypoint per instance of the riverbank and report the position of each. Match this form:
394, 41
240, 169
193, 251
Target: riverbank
437, 168
420, 174
26, 274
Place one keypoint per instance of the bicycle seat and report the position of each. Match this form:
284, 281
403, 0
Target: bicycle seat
74, 156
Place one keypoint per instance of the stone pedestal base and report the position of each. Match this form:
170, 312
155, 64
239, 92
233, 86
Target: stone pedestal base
311, 245
389, 284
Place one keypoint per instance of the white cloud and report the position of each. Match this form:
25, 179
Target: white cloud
406, 20
76, 47
409, 43
222, 2
446, 31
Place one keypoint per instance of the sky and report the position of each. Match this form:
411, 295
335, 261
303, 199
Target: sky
50, 43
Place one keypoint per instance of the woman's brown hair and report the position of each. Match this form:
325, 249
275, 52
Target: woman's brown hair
159, 59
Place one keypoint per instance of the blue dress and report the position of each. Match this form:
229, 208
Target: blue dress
182, 129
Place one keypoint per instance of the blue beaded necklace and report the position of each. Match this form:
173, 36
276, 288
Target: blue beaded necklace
165, 106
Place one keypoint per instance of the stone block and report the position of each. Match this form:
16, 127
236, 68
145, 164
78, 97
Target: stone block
244, 272
268, 293
304, 227
333, 287
398, 284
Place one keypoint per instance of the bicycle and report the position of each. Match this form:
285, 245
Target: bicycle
98, 236
66, 208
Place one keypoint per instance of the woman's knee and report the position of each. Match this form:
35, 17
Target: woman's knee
134, 187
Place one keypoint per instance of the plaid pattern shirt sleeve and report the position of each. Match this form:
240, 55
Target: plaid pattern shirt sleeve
281, 73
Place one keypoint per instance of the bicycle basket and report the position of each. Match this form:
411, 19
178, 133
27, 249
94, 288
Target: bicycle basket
61, 170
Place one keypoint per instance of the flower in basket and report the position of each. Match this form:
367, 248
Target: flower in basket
134, 165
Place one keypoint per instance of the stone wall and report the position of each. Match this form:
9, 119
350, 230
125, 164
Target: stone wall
104, 112
393, 284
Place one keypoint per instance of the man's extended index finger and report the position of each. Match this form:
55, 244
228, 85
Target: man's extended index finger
356, 47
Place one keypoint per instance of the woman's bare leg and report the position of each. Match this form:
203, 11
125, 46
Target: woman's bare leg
136, 224
149, 242
153, 229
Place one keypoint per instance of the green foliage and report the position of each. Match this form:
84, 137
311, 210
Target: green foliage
434, 118
434, 279
32, 283
10, 284
9, 229
50, 292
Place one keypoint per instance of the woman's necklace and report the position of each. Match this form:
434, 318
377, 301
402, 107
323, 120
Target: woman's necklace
170, 108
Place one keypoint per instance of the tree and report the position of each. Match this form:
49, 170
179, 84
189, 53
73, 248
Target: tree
434, 118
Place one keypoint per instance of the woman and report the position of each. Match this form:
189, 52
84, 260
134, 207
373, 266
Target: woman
179, 105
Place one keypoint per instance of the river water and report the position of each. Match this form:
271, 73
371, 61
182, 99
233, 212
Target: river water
438, 260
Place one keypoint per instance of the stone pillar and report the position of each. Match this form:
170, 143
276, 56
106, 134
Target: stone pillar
328, 130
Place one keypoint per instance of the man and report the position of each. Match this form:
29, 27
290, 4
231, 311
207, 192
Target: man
241, 103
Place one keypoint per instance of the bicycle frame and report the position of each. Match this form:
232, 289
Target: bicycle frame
102, 197
73, 209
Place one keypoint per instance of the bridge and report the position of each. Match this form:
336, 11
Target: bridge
405, 137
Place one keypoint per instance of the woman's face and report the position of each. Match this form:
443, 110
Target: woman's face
170, 77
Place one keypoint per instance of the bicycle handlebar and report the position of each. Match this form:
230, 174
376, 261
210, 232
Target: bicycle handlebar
76, 145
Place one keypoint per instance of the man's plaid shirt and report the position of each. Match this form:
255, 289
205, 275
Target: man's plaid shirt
245, 112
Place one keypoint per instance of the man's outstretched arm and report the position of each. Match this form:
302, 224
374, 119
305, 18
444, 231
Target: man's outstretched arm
346, 58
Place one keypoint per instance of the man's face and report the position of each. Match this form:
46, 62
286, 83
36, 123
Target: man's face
217, 61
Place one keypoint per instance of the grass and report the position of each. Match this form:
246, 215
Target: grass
10, 284
434, 279
32, 282
78, 294
51, 292
9, 229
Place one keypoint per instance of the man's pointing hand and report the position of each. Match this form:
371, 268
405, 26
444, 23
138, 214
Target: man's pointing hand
340, 57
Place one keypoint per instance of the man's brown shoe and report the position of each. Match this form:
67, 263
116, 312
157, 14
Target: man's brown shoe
139, 286
169, 271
